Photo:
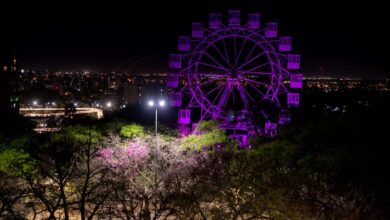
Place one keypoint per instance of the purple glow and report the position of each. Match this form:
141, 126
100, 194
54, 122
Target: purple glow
175, 61
241, 138
197, 30
296, 81
234, 17
184, 44
172, 81
183, 130
271, 29
270, 129
284, 117
293, 99
194, 126
175, 99
184, 116
285, 44
293, 61
254, 20
235, 64
215, 20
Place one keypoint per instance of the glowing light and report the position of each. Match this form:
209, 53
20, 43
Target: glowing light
162, 103
151, 103
109, 104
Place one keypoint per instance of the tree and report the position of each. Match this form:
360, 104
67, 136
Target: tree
132, 130
207, 134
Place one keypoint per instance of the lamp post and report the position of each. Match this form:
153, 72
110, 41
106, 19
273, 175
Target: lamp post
161, 103
156, 105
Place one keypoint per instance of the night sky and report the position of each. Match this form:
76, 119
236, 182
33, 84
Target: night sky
347, 38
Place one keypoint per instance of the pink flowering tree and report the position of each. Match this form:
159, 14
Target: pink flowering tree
119, 158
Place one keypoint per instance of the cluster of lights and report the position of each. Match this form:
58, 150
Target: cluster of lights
160, 103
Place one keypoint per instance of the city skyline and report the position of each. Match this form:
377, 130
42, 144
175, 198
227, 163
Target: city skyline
345, 38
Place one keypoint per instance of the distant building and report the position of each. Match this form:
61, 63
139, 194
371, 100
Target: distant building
9, 97
132, 94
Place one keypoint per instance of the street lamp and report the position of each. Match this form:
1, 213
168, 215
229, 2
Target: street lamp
156, 105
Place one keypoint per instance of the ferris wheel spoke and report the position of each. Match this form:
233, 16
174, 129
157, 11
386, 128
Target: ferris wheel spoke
225, 95
207, 82
235, 50
213, 66
226, 52
257, 82
219, 93
220, 54
215, 61
187, 68
255, 68
262, 93
240, 51
221, 97
251, 60
243, 96
213, 90
274, 96
250, 53
248, 94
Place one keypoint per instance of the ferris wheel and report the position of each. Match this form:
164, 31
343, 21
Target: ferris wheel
239, 74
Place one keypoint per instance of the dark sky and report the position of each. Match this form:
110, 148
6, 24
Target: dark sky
348, 37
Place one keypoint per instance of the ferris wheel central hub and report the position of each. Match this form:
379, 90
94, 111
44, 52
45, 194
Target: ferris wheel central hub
233, 74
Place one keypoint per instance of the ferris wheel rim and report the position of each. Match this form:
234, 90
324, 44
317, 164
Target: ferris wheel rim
266, 49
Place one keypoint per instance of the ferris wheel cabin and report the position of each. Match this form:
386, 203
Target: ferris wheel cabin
197, 30
172, 80
285, 44
296, 81
184, 116
215, 20
293, 61
234, 18
175, 99
254, 20
175, 61
184, 44
271, 29
293, 99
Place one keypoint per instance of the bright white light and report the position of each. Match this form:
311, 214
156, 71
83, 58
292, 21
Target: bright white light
151, 103
162, 103
35, 102
109, 104
53, 103
75, 104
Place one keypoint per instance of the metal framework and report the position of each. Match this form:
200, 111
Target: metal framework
237, 74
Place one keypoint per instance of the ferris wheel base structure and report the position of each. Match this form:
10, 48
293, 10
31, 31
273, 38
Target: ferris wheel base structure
241, 74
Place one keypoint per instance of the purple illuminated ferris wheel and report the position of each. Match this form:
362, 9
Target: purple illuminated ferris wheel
240, 74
